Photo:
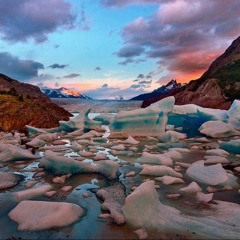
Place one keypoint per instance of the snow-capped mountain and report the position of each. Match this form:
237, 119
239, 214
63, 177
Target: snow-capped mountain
160, 91
63, 93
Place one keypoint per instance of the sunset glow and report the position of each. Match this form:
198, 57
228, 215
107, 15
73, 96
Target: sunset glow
85, 45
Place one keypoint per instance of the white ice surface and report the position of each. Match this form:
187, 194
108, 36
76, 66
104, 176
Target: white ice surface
40, 215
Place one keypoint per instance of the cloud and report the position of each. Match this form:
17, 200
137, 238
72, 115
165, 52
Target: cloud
121, 3
140, 75
130, 51
22, 20
135, 86
18, 68
56, 84
84, 20
145, 82
131, 60
97, 69
113, 93
56, 65
72, 75
105, 85
182, 44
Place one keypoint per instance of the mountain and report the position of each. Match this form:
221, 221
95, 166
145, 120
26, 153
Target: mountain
63, 93
24, 104
216, 88
160, 91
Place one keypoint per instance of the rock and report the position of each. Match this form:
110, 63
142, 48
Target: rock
34, 109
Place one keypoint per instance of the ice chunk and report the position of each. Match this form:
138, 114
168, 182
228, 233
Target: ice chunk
173, 154
232, 146
155, 159
217, 152
168, 180
171, 137
142, 209
202, 197
119, 147
193, 187
89, 134
210, 175
150, 121
131, 140
63, 165
215, 159
36, 190
159, 171
33, 130
44, 215
10, 152
81, 121
76, 146
36, 143
218, 129
234, 111
8, 180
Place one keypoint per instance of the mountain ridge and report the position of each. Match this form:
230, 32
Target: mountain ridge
216, 88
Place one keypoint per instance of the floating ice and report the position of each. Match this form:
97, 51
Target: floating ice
119, 147
168, 180
215, 159
150, 121
217, 152
171, 137
10, 152
131, 140
142, 209
76, 146
234, 111
155, 159
89, 134
81, 121
202, 197
159, 171
63, 165
193, 187
217, 129
36, 143
232, 146
36, 190
210, 175
39, 215
8, 180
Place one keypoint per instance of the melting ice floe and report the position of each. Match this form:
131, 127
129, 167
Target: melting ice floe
39, 215
142, 209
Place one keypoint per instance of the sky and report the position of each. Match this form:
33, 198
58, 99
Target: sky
108, 49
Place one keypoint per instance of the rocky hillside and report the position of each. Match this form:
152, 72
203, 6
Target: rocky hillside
63, 93
171, 85
24, 104
217, 87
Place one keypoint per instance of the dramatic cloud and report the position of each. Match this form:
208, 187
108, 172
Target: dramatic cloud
140, 75
21, 20
56, 65
17, 68
105, 85
114, 93
97, 69
121, 3
72, 75
183, 36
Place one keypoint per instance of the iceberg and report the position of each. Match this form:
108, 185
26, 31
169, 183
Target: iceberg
209, 175
168, 180
218, 129
8, 180
234, 111
60, 165
150, 121
155, 159
9, 152
232, 146
159, 171
142, 209
40, 215
81, 121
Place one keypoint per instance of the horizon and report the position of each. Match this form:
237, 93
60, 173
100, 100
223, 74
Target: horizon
105, 48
